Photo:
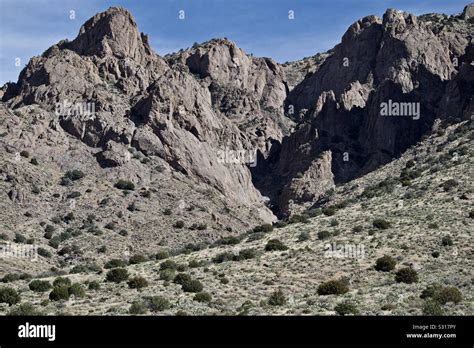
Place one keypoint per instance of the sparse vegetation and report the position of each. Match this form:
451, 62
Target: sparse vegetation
406, 275
275, 245
117, 275
333, 287
385, 264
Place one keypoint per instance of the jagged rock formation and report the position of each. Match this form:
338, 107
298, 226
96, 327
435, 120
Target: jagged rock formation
399, 58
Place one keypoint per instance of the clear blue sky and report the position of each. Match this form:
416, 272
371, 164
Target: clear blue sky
262, 27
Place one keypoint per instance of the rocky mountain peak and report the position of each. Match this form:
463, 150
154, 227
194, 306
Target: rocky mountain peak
113, 32
468, 12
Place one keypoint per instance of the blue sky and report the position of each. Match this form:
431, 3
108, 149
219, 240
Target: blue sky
261, 27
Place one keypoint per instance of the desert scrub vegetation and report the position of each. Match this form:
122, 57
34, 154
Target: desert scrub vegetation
125, 185
168, 264
406, 275
9, 296
138, 258
333, 287
385, 264
60, 281
59, 293
77, 290
277, 298
157, 303
381, 224
138, 307
203, 297
346, 308
39, 285
442, 294
25, 310
192, 285
137, 283
324, 235
275, 245
115, 263
117, 275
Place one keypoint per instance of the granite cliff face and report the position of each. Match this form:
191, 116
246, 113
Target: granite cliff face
212, 138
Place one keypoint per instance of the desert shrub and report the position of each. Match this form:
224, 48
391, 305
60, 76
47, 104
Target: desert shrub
74, 175
329, 211
223, 257
297, 218
94, 285
231, 240
74, 194
167, 274
385, 263
247, 254
59, 293
181, 278
34, 161
138, 307
410, 163
357, 229
25, 154
381, 224
50, 228
432, 308
137, 283
125, 185
199, 226
44, 253
9, 296
406, 275
77, 290
447, 241
194, 264
324, 235
277, 298
39, 285
275, 244
333, 287
449, 185
54, 242
303, 236
19, 238
11, 277
435, 254
162, 254
346, 308
168, 264
203, 297
123, 233
115, 263
138, 258
263, 228
24, 310
117, 275
333, 223
447, 294
60, 281
192, 285
179, 224
158, 303
167, 211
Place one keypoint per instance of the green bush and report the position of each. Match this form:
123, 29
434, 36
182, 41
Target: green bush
381, 224
74, 175
277, 298
161, 255
167, 274
385, 263
447, 241
324, 235
181, 278
333, 287
194, 264
192, 285
77, 290
9, 296
136, 259
94, 285
448, 294
25, 310
203, 297
44, 253
138, 307
179, 224
125, 185
34, 161
25, 154
449, 185
117, 275
263, 228
59, 293
297, 218
304, 236
19, 238
346, 308
137, 283
115, 263
357, 229
39, 285
329, 211
158, 303
60, 281
275, 244
246, 254
231, 240
432, 308
406, 275
223, 257
168, 264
